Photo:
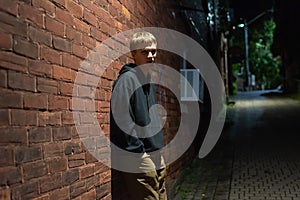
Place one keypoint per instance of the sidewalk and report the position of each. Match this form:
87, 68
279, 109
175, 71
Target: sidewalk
257, 156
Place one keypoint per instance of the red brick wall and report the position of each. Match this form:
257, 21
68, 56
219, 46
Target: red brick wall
42, 45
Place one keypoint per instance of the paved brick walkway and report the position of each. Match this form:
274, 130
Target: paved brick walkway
257, 157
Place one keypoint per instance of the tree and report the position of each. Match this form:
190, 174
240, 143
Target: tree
262, 63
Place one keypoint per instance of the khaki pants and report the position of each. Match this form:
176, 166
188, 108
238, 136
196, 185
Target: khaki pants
148, 185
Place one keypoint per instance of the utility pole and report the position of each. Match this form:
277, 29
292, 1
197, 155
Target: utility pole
245, 26
248, 74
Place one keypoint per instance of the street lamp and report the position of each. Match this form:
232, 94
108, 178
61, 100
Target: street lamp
245, 26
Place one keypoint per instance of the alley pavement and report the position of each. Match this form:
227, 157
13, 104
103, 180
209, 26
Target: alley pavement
257, 156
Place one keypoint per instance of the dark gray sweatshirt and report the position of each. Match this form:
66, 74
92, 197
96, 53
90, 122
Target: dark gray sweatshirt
131, 112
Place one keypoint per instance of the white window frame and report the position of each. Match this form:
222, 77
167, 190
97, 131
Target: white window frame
195, 91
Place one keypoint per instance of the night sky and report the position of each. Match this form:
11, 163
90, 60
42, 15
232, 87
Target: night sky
250, 8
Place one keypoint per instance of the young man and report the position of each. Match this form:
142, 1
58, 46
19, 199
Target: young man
131, 124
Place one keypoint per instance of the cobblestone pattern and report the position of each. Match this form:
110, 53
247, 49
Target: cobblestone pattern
271, 175
257, 157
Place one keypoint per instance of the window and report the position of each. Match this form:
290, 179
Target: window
191, 85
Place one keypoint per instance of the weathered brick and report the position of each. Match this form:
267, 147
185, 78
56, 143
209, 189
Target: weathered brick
85, 91
110, 74
40, 36
81, 79
26, 1
70, 176
105, 129
89, 158
97, 34
90, 18
107, 197
102, 105
73, 147
58, 103
13, 135
63, 193
6, 157
67, 118
28, 190
101, 4
5, 40
126, 12
64, 16
75, 134
63, 31
89, 195
105, 177
46, 5
103, 14
35, 170
10, 24
11, 61
66, 88
92, 181
4, 193
49, 118
34, 15
106, 84
24, 118
81, 26
100, 95
55, 26
85, 118
50, 55
53, 150
113, 11
74, 8
74, 35
62, 44
100, 167
50, 182
71, 61
42, 197
79, 51
10, 175
86, 171
28, 154
63, 73
38, 67
40, 134
62, 133
47, 85
141, 8
21, 81
9, 6
60, 3
89, 42
58, 164
77, 189
100, 116
103, 190
104, 27
3, 78
26, 48
88, 4
4, 117
76, 160
39, 101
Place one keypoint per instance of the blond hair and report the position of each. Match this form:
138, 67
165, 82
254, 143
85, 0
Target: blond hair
142, 39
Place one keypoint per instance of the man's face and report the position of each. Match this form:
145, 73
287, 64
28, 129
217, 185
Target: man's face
145, 55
